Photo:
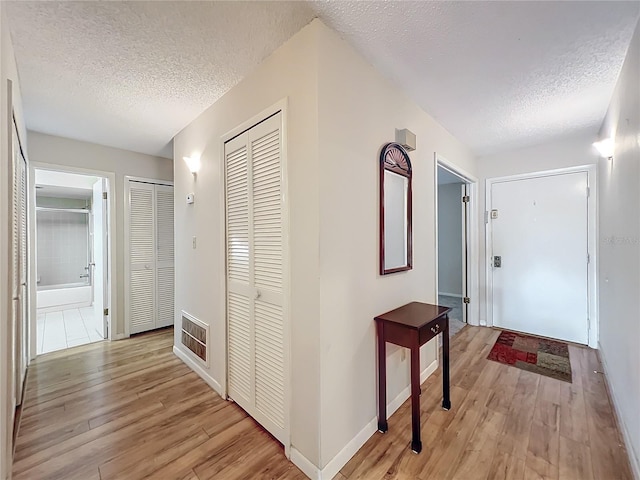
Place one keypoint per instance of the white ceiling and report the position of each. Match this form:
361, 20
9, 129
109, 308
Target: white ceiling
497, 75
133, 74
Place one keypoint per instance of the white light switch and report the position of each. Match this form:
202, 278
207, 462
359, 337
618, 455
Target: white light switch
193, 242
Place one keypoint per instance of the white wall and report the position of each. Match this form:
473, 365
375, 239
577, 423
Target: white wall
619, 250
8, 71
340, 112
72, 153
290, 72
575, 150
359, 111
450, 238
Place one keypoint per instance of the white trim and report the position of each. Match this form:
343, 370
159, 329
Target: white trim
155, 181
343, 456
7, 406
279, 107
402, 397
197, 367
304, 464
592, 267
472, 234
127, 266
633, 459
119, 336
112, 268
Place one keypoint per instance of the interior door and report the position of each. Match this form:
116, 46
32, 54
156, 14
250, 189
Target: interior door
19, 267
255, 257
539, 255
164, 256
142, 287
99, 260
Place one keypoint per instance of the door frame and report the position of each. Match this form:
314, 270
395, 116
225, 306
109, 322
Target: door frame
473, 310
112, 269
92, 257
127, 270
592, 235
278, 107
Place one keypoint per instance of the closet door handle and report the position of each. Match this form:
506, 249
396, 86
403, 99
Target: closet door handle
258, 294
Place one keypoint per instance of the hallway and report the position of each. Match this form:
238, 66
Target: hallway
131, 410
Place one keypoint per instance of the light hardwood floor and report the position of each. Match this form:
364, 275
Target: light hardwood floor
132, 410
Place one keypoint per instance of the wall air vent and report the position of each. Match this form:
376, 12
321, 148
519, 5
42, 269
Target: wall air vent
195, 336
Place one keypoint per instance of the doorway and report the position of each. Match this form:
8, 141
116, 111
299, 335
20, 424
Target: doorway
541, 267
456, 246
72, 259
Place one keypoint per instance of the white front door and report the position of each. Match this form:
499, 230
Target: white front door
540, 234
99, 260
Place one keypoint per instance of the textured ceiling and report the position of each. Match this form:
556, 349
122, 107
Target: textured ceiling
133, 74
497, 75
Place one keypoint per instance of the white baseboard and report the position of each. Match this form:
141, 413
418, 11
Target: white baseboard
307, 467
447, 294
402, 397
633, 458
120, 336
199, 370
342, 458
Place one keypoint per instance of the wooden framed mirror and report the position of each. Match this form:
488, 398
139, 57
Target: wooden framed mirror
396, 247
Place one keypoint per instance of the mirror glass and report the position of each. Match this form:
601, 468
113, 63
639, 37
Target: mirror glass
395, 210
396, 189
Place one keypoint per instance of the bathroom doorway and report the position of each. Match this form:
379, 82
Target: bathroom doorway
456, 241
72, 259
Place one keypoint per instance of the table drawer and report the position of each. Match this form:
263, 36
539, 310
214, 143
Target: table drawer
432, 329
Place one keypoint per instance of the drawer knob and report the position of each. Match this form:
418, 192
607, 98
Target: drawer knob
435, 329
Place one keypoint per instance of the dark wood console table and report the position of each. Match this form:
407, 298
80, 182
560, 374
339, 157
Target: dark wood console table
411, 326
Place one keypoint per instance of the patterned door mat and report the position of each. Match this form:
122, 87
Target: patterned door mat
535, 354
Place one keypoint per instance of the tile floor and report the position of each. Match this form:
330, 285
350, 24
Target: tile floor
65, 329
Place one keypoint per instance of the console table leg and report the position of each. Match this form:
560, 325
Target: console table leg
446, 399
382, 380
416, 443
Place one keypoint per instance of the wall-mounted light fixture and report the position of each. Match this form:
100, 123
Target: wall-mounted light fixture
605, 148
193, 162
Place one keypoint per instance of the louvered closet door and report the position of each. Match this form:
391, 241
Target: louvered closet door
141, 257
164, 255
23, 317
15, 326
255, 257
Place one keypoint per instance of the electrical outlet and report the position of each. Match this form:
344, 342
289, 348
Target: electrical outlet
193, 242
